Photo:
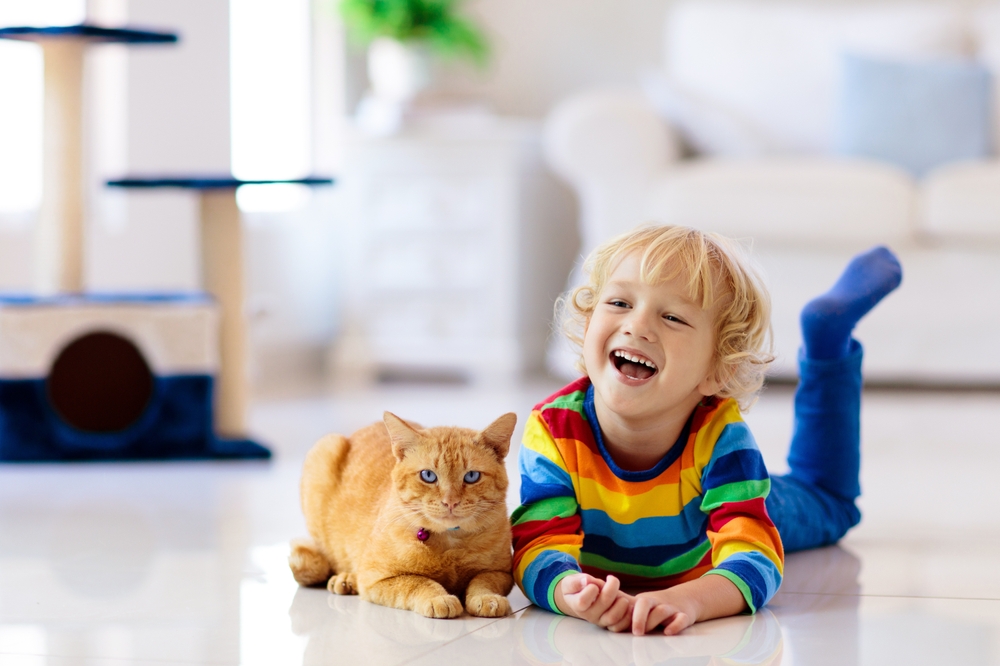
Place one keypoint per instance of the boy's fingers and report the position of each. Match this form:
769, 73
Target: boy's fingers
586, 597
639, 614
658, 615
610, 590
679, 623
623, 624
614, 615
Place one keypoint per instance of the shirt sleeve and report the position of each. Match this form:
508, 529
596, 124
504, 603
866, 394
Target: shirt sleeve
546, 530
746, 547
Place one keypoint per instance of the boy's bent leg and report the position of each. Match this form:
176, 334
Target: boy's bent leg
813, 505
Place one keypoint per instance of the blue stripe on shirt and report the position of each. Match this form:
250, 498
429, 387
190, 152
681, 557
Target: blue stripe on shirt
541, 478
734, 467
650, 556
757, 571
541, 572
650, 531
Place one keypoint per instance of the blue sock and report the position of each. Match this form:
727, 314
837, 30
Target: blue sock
829, 319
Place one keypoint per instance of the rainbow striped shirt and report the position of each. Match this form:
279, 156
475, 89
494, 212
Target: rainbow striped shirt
699, 511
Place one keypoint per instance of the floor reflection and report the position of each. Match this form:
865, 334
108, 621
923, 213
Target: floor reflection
345, 629
820, 597
120, 562
544, 638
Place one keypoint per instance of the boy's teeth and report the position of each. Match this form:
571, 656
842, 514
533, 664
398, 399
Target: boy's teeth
634, 359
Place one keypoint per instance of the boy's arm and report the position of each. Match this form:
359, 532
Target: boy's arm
747, 556
547, 537
746, 548
546, 527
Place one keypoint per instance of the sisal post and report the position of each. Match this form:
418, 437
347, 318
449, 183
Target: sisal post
222, 276
59, 244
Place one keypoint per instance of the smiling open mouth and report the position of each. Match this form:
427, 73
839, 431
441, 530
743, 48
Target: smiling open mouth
633, 366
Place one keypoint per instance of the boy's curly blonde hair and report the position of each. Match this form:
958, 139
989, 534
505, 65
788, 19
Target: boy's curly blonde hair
719, 274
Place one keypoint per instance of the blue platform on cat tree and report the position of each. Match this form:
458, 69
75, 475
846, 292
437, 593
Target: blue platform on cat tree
209, 182
111, 377
90, 33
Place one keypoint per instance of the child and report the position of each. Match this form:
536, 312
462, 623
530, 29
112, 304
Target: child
643, 474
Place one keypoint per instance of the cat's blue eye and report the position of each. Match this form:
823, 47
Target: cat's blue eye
428, 476
471, 477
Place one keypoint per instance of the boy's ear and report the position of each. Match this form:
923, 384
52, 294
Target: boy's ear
714, 382
717, 378
402, 434
497, 434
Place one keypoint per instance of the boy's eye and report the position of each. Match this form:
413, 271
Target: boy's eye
428, 476
674, 318
618, 303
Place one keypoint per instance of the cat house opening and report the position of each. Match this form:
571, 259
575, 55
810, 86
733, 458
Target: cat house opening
100, 382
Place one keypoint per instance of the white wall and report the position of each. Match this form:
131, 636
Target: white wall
177, 121
546, 49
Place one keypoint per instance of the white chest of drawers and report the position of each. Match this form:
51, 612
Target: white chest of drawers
443, 263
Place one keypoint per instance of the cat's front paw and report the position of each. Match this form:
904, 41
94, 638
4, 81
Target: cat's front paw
488, 605
445, 605
343, 583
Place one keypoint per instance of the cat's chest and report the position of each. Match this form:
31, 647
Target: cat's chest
450, 559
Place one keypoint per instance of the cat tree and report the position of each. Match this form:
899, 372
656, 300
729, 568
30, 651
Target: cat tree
96, 376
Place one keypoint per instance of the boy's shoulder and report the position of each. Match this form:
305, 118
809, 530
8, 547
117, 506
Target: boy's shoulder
718, 428
715, 410
570, 396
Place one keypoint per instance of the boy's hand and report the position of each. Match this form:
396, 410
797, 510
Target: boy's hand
677, 608
652, 609
597, 601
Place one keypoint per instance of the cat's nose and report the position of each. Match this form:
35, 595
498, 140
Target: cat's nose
451, 505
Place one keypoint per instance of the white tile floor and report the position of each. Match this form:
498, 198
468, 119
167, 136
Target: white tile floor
115, 565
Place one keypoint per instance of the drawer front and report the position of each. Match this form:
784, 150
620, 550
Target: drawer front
445, 263
394, 203
435, 318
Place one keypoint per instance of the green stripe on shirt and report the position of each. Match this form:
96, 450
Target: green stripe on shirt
546, 509
572, 401
738, 491
672, 567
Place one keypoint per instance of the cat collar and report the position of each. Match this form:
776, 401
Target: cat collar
424, 535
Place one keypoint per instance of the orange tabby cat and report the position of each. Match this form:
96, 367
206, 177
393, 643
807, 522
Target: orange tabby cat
410, 518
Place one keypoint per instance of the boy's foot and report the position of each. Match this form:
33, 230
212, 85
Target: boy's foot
827, 320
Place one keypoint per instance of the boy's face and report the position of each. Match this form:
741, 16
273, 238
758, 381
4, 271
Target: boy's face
669, 338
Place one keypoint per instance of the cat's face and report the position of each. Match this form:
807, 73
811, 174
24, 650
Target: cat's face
451, 477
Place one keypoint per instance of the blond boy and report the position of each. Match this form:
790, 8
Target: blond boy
642, 474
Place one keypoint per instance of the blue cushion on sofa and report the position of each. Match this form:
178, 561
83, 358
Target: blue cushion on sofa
918, 114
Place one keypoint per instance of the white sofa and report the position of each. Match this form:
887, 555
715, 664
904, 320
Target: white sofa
758, 86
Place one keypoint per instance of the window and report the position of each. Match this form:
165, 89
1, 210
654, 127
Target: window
270, 105
21, 110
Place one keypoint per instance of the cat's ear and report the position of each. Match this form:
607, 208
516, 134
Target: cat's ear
497, 434
401, 433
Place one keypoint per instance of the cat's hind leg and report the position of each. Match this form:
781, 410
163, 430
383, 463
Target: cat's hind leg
309, 565
486, 595
343, 583
412, 592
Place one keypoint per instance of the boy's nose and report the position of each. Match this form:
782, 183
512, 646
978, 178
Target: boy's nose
639, 326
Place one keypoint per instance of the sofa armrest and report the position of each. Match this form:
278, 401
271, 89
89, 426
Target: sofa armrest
608, 145
608, 133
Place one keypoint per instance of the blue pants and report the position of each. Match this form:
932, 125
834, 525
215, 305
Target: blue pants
813, 505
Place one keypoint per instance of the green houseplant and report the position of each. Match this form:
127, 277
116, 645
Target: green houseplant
434, 24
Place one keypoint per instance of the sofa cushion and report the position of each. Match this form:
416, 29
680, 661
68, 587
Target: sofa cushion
788, 200
776, 64
962, 202
917, 114
706, 127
